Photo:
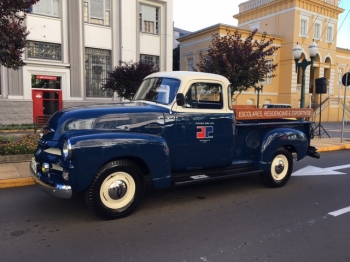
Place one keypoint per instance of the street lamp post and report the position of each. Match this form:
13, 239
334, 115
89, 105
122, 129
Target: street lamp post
313, 48
259, 89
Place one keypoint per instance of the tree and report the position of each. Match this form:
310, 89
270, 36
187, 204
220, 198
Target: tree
176, 58
13, 32
128, 76
242, 62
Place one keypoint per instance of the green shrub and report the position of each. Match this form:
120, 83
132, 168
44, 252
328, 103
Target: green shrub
21, 127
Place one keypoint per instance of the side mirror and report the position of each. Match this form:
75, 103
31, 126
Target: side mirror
180, 99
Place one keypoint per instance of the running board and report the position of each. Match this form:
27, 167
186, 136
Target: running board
201, 176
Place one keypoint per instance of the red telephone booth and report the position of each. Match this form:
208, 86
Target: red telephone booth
46, 95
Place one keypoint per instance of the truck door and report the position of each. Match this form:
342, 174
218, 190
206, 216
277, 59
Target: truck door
204, 133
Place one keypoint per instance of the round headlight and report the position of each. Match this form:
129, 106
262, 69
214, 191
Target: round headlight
67, 150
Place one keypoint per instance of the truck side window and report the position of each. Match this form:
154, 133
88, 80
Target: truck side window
204, 95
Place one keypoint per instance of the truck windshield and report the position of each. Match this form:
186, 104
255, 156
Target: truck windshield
159, 90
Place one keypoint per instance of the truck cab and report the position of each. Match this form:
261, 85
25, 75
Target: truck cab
201, 124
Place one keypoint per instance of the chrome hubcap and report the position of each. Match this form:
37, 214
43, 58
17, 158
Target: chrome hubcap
279, 167
117, 189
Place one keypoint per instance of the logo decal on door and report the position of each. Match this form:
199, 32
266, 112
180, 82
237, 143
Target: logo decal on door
205, 132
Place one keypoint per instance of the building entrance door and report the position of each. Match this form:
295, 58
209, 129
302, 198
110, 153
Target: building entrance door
46, 95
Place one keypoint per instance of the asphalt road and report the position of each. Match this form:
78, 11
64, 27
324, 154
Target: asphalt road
233, 220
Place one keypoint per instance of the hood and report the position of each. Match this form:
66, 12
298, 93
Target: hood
126, 117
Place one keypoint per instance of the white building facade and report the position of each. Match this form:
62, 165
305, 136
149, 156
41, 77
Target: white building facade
73, 45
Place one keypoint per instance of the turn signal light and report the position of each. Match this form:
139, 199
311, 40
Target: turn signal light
45, 168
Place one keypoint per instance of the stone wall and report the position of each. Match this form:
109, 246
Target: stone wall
21, 112
16, 112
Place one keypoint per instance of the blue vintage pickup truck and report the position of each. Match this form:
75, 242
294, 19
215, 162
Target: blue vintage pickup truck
179, 129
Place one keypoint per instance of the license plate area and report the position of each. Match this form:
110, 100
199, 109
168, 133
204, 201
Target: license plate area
34, 165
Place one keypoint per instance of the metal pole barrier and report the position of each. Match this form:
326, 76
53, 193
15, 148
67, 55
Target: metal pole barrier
342, 129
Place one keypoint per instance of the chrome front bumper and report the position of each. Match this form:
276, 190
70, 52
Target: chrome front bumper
57, 190
312, 151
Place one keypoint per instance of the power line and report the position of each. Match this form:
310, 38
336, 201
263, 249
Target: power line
341, 25
329, 22
315, 18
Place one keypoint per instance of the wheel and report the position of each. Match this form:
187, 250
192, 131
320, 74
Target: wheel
280, 169
116, 190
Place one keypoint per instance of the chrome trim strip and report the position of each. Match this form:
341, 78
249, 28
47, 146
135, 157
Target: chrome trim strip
53, 151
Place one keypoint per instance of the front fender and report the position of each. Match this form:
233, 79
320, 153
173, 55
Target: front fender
91, 152
282, 137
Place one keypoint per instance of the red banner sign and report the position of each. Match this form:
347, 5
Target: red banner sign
47, 77
250, 114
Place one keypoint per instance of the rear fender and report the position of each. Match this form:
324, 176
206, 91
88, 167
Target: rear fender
282, 137
91, 152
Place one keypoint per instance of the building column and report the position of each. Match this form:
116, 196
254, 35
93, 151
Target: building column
76, 48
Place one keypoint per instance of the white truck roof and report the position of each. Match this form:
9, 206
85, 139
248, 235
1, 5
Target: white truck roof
190, 75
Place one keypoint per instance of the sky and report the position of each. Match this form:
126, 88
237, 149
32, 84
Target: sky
193, 15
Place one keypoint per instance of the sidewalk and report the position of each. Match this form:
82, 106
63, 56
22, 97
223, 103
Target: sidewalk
18, 174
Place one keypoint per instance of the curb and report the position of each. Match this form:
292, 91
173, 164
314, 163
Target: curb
17, 131
333, 148
18, 182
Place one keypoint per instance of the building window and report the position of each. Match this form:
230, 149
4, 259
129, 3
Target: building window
97, 65
151, 59
47, 7
250, 102
300, 72
269, 74
329, 34
97, 12
340, 76
254, 26
149, 19
190, 64
42, 50
317, 32
303, 27
267, 101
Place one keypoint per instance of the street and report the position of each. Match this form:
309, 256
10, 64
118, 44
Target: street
233, 220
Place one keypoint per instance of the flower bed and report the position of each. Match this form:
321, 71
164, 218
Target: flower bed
18, 145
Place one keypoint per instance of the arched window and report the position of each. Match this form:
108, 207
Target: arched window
250, 101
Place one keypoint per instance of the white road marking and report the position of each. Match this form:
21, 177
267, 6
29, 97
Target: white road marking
340, 212
319, 171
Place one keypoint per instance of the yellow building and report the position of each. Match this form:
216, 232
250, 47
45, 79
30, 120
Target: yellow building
289, 22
